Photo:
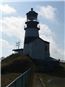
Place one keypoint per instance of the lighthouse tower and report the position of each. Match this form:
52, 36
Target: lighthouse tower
31, 31
34, 46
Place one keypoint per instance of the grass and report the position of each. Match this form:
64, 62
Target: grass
55, 78
13, 66
63, 65
52, 81
12, 58
7, 78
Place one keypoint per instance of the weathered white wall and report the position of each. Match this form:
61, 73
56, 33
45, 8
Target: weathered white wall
36, 49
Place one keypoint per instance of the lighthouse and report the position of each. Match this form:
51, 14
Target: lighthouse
31, 31
34, 46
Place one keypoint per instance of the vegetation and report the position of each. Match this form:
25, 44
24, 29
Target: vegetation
13, 66
51, 81
51, 78
55, 78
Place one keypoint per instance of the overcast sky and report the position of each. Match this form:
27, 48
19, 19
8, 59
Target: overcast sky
51, 21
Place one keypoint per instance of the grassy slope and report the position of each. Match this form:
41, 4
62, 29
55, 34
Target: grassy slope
54, 79
13, 66
50, 81
16, 64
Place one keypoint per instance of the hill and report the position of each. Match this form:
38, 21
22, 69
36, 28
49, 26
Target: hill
13, 66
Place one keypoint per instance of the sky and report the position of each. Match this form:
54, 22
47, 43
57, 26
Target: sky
51, 22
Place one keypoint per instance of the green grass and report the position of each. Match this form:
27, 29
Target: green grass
52, 81
7, 78
55, 78
13, 66
63, 65
12, 58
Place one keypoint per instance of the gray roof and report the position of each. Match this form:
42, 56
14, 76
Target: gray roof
17, 50
31, 39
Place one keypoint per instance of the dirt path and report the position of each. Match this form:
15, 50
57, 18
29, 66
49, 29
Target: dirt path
52, 81
37, 81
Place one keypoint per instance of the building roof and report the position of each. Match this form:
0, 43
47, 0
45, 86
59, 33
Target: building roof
52, 59
31, 39
17, 50
44, 40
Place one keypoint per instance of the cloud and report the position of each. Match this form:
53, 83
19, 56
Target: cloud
48, 12
6, 9
5, 48
4, 44
14, 26
47, 35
